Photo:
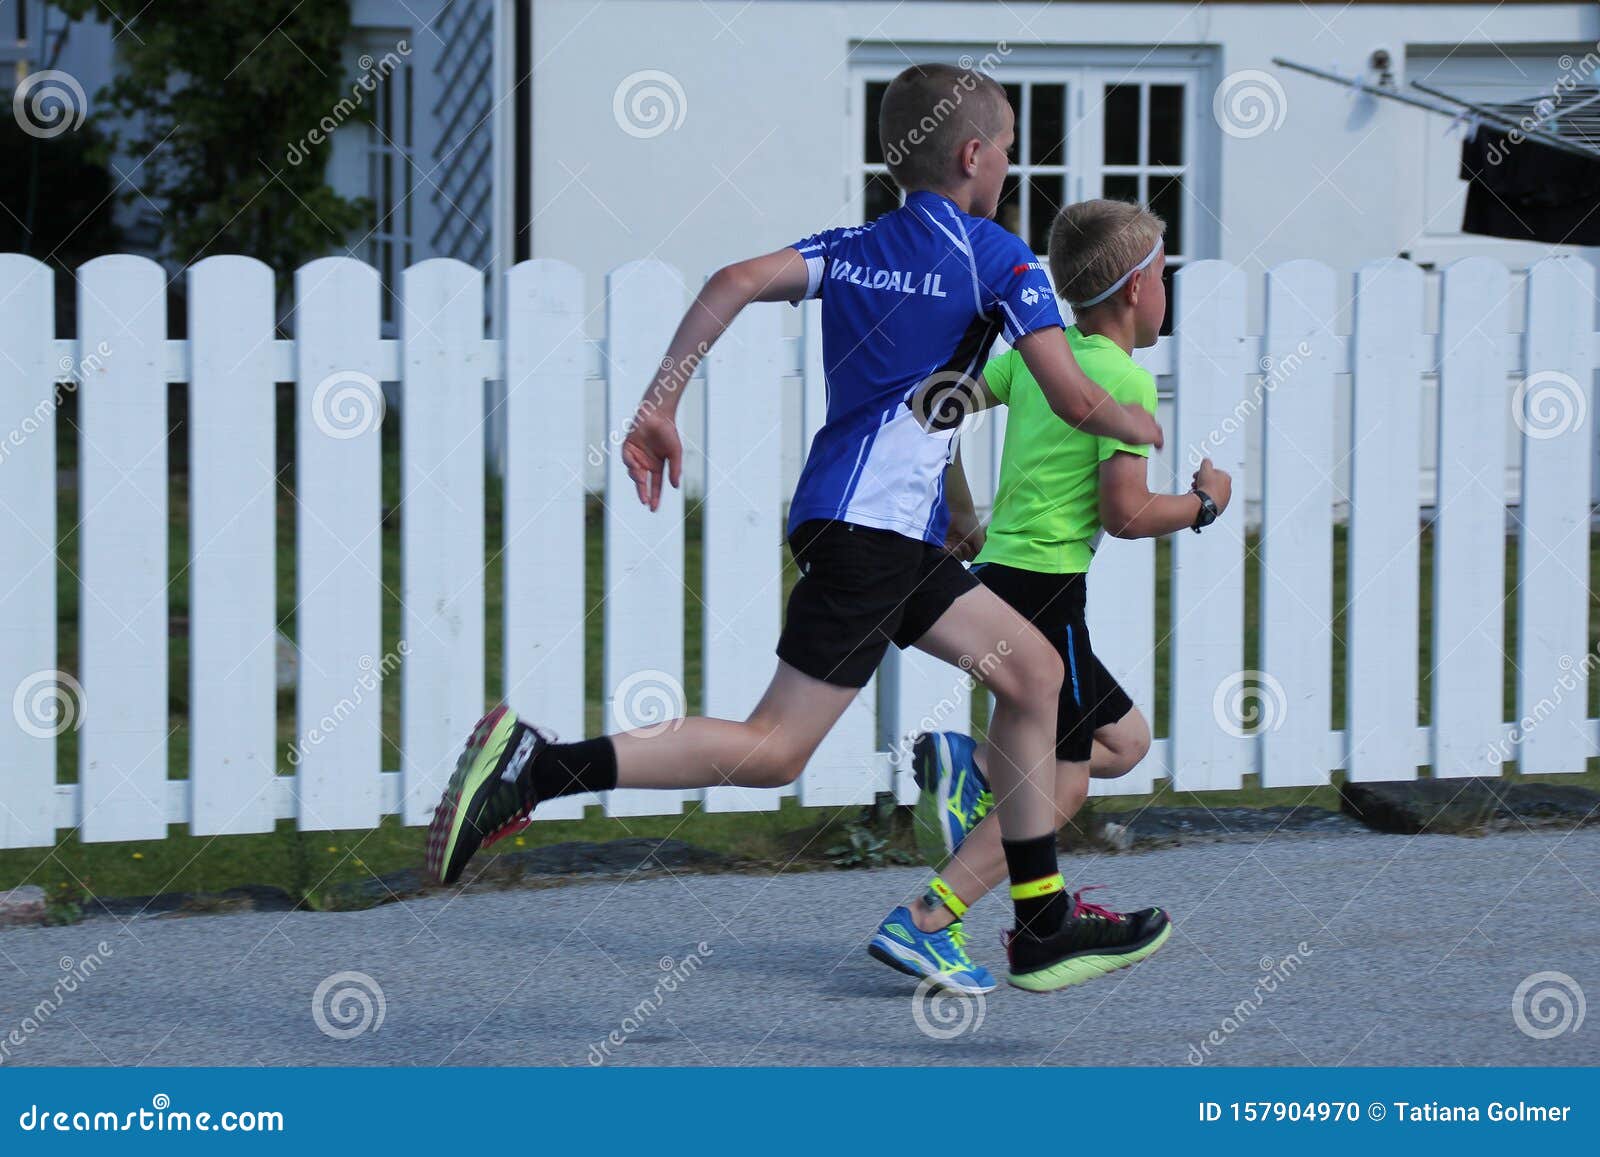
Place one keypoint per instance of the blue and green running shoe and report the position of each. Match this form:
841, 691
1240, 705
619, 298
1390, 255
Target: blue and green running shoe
940, 956
955, 796
489, 796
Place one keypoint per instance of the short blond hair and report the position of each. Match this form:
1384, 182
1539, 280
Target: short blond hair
1092, 243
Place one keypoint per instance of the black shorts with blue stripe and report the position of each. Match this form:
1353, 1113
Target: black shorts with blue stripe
1091, 697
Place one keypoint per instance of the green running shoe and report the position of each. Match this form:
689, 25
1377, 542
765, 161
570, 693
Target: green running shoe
489, 796
955, 796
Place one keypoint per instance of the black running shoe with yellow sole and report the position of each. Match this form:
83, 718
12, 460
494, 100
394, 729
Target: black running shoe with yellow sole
490, 793
1091, 942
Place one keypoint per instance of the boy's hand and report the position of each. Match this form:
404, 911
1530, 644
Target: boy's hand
1217, 483
652, 444
965, 537
1144, 417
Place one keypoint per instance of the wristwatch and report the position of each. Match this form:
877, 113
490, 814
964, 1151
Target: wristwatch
1208, 511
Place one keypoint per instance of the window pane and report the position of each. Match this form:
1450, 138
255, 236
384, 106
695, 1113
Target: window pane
1121, 187
1122, 124
1044, 202
1009, 215
1166, 124
1047, 124
1014, 95
879, 196
872, 147
1166, 201
1167, 275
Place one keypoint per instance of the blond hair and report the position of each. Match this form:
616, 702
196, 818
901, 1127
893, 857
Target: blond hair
1093, 243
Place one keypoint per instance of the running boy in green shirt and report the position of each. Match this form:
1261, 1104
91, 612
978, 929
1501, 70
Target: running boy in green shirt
1060, 491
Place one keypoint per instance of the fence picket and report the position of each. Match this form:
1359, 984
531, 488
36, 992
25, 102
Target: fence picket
338, 575
1208, 569
30, 679
1557, 395
546, 354
122, 753
1297, 525
1469, 537
742, 560
441, 524
233, 706
1122, 626
642, 683
1384, 544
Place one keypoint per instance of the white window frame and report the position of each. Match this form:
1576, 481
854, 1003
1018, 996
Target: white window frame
393, 224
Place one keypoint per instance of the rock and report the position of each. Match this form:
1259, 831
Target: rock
1156, 827
1117, 837
22, 906
1468, 806
248, 898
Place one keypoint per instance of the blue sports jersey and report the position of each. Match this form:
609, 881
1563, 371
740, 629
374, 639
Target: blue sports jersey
911, 305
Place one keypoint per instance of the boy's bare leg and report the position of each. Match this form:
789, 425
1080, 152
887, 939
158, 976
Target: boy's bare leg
980, 865
985, 636
769, 749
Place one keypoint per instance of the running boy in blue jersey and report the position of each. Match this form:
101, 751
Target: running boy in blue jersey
911, 304
1060, 490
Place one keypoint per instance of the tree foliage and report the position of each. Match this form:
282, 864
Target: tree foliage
210, 99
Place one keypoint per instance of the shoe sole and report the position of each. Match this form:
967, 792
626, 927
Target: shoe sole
886, 953
451, 843
1082, 969
928, 819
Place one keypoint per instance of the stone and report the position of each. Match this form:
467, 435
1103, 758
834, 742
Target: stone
1468, 806
22, 906
1117, 837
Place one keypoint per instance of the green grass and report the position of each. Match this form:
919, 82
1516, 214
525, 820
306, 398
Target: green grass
308, 863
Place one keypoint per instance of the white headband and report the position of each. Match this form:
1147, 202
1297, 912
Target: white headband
1123, 280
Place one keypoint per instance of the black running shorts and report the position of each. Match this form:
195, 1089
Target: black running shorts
861, 589
1090, 697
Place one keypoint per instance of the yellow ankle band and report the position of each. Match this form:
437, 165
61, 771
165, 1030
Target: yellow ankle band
1034, 889
949, 899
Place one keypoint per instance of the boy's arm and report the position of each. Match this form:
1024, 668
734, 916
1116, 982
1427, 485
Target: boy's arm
1076, 399
652, 443
965, 536
1129, 510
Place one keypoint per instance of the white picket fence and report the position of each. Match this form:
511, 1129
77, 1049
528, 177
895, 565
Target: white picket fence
1218, 372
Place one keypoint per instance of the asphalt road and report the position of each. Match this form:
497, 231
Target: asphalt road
1380, 950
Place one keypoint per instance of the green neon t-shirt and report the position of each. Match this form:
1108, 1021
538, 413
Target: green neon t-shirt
1047, 506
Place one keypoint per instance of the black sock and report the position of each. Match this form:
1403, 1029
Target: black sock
575, 768
1037, 890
